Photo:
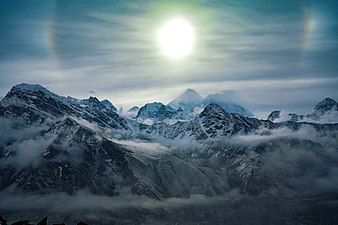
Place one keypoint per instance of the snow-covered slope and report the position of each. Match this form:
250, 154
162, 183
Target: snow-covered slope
69, 157
325, 111
156, 111
187, 101
51, 143
109, 105
191, 100
227, 104
212, 122
186, 106
35, 104
133, 111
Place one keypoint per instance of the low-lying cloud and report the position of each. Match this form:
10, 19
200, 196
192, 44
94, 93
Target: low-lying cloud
12, 129
83, 200
306, 132
144, 147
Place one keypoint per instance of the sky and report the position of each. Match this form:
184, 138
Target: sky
270, 54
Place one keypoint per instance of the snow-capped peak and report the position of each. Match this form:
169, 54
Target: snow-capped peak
213, 109
218, 98
21, 93
188, 96
188, 100
227, 104
108, 105
274, 115
134, 109
326, 105
29, 87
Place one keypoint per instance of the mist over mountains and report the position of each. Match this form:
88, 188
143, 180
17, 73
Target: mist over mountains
83, 155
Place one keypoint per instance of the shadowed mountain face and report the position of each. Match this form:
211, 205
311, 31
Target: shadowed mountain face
53, 145
326, 105
35, 104
73, 157
156, 111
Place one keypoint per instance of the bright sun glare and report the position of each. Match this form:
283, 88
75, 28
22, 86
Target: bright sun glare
176, 38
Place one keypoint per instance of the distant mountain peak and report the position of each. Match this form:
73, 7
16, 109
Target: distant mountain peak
191, 92
213, 108
188, 100
225, 102
108, 105
93, 99
29, 88
188, 96
26, 86
326, 104
133, 109
22, 94
156, 111
217, 97
274, 115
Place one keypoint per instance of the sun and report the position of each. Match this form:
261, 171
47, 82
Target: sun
176, 38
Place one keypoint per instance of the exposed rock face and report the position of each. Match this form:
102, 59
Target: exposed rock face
108, 105
274, 115
43, 221
35, 104
156, 111
327, 104
325, 111
57, 144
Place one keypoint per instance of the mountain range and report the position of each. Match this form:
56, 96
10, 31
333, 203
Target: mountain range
325, 111
185, 107
55, 144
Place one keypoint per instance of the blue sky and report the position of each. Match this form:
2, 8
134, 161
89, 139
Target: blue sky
272, 54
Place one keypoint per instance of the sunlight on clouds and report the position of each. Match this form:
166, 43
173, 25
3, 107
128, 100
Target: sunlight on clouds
176, 38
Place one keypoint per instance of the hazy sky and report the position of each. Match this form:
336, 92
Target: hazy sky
272, 54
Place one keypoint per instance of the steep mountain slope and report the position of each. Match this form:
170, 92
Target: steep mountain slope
281, 167
108, 105
274, 115
186, 106
187, 101
326, 110
326, 104
71, 157
212, 122
50, 143
35, 104
157, 111
227, 104
133, 111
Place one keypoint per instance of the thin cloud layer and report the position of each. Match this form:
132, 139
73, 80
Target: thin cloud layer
259, 48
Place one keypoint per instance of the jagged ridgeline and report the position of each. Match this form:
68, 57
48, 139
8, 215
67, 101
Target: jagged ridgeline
56, 150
